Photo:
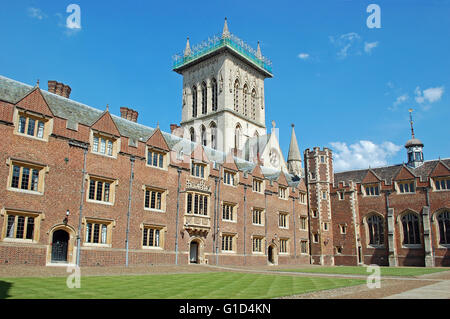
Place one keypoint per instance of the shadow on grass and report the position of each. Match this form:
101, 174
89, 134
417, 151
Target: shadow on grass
4, 288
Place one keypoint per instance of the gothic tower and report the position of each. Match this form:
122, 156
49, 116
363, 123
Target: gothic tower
223, 92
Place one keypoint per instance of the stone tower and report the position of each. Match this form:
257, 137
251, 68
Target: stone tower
223, 92
319, 177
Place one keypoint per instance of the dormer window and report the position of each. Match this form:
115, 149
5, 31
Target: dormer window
104, 145
257, 185
32, 125
155, 158
371, 190
442, 184
282, 192
405, 187
198, 169
229, 178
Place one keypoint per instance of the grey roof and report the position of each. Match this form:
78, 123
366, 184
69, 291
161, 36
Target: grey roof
12, 91
388, 173
413, 142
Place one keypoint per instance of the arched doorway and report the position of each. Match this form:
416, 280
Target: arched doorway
193, 252
60, 243
272, 255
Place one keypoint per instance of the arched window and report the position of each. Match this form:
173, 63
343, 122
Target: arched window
203, 132
236, 96
237, 137
194, 101
411, 232
214, 94
444, 228
204, 99
192, 134
253, 104
375, 229
245, 91
213, 128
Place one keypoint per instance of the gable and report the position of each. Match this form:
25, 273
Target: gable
370, 178
257, 172
272, 149
403, 174
230, 163
106, 124
199, 154
440, 170
157, 140
282, 179
35, 102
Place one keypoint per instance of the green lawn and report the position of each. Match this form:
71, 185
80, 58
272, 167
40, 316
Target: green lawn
195, 286
360, 270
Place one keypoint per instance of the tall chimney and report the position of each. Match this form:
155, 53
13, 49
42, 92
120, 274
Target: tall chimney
128, 114
59, 88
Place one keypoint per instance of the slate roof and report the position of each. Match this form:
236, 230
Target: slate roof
388, 173
12, 91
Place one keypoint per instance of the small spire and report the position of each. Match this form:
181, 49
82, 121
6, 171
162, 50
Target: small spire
107, 107
157, 124
37, 83
225, 32
187, 51
258, 52
411, 121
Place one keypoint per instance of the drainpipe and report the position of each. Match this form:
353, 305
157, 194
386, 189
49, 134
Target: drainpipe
176, 220
85, 149
293, 217
245, 218
215, 211
129, 209
217, 216
265, 222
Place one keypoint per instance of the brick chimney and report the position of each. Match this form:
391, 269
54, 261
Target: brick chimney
128, 114
59, 88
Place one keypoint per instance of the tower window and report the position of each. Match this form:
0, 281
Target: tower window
253, 104
194, 101
214, 94
213, 128
192, 134
245, 100
204, 99
236, 96
203, 136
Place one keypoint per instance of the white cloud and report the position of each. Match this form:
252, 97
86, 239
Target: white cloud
303, 56
363, 154
36, 13
369, 46
428, 96
400, 99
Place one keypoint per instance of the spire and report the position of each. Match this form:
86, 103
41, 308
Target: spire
258, 52
187, 51
294, 160
411, 122
225, 32
294, 152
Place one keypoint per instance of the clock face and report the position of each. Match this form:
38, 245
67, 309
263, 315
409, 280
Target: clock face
274, 157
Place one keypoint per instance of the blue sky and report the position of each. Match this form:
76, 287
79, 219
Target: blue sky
343, 85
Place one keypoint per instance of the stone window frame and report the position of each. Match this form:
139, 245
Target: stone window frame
303, 221
284, 248
283, 220
434, 187
42, 169
261, 183
341, 195
115, 140
261, 217
155, 189
367, 230
193, 170
302, 198
409, 182
283, 192
230, 236
38, 217
343, 228
201, 197
112, 189
260, 241
234, 209
376, 187
154, 150
305, 243
438, 230
234, 177
110, 224
27, 114
402, 231
162, 235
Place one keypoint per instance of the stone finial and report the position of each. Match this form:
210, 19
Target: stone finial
225, 32
258, 52
187, 50
273, 124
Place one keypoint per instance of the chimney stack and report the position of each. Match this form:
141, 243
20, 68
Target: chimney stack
59, 88
128, 114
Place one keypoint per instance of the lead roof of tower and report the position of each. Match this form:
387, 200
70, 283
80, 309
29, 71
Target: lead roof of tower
225, 41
